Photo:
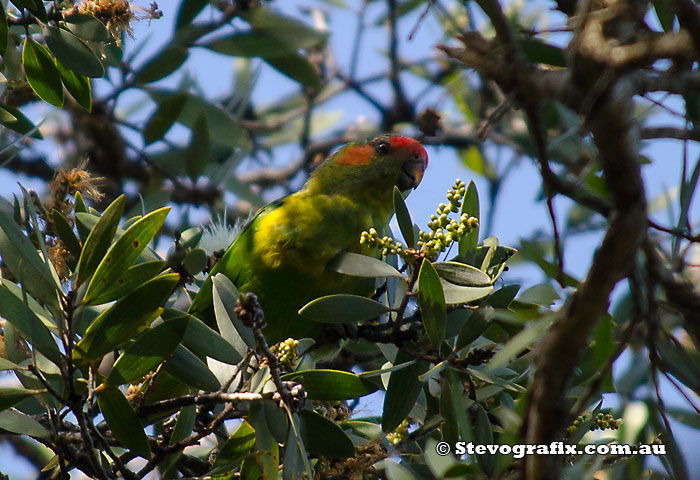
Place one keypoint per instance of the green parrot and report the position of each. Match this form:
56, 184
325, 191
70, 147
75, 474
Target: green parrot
282, 254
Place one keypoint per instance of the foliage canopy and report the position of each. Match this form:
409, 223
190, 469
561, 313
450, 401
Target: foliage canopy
105, 372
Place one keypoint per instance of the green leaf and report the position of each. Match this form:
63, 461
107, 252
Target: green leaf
522, 340
295, 461
86, 221
462, 274
363, 429
288, 30
65, 233
458, 294
198, 151
99, 240
396, 471
20, 256
124, 252
41, 73
267, 451
20, 124
432, 303
679, 363
342, 308
543, 294
296, 67
35, 7
128, 281
403, 218
332, 385
150, 349
484, 436
475, 161
256, 43
122, 420
538, 51
87, 27
4, 31
10, 396
503, 297
73, 53
475, 325
195, 261
6, 116
237, 446
77, 85
358, 265
470, 206
20, 423
604, 337
116, 325
184, 425
5, 364
438, 464
189, 369
492, 257
402, 391
273, 35
162, 64
225, 295
164, 117
79, 203
204, 341
686, 417
189, 9
190, 238
224, 130
324, 437
453, 408
664, 13
14, 310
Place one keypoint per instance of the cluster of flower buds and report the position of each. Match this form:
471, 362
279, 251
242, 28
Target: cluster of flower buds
443, 229
387, 244
286, 352
399, 434
600, 422
606, 422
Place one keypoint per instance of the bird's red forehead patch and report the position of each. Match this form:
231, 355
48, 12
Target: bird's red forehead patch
398, 142
412, 145
360, 155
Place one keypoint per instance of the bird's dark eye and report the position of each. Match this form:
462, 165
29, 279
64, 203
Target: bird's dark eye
382, 147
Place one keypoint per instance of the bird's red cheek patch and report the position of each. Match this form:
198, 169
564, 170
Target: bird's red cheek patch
357, 156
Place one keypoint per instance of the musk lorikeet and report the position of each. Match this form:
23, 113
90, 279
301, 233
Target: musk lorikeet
283, 253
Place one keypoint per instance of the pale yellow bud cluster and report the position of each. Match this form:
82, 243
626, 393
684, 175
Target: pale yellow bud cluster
286, 352
399, 434
389, 247
606, 422
600, 422
443, 229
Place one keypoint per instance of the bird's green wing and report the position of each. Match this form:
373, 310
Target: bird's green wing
235, 264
